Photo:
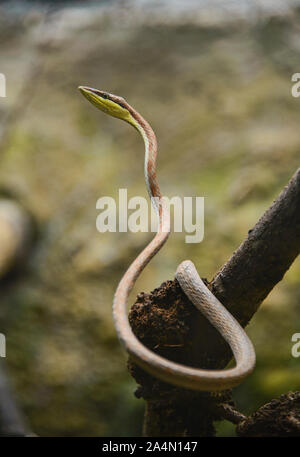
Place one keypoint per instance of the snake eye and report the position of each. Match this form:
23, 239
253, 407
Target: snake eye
105, 96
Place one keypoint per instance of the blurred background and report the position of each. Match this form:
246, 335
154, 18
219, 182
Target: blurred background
214, 80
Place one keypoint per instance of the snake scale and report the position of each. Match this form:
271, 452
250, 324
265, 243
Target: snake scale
186, 274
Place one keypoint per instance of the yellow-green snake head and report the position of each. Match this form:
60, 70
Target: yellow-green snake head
108, 103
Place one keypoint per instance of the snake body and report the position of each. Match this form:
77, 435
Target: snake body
186, 274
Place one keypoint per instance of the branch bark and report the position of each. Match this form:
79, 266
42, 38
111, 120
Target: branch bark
256, 267
241, 285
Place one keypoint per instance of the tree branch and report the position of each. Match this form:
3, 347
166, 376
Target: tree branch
241, 285
255, 268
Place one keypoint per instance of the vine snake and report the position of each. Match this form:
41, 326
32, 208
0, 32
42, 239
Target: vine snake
186, 274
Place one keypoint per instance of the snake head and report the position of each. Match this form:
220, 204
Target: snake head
108, 103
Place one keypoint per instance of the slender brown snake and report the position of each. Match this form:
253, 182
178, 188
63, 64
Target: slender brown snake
186, 275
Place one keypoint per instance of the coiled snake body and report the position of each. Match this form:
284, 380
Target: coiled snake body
186, 274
